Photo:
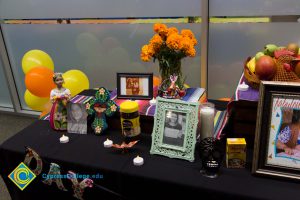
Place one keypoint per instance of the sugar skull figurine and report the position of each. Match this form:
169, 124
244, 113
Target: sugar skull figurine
102, 107
211, 156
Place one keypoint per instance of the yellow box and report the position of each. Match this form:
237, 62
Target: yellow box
236, 152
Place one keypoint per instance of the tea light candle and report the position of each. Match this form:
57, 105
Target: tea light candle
64, 139
138, 161
207, 113
107, 143
243, 87
152, 101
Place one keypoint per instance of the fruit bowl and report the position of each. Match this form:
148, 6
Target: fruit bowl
273, 64
250, 77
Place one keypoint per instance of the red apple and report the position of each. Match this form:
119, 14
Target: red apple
265, 68
181, 93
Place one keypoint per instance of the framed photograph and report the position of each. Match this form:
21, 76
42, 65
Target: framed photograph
77, 118
277, 137
174, 131
134, 86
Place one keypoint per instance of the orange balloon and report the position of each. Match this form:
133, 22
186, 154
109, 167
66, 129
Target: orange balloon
39, 81
156, 81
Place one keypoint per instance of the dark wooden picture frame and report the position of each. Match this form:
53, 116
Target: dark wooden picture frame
137, 85
278, 105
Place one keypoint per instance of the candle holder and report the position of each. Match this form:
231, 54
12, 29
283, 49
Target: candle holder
207, 115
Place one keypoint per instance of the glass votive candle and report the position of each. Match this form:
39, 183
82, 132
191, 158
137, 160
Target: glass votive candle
207, 115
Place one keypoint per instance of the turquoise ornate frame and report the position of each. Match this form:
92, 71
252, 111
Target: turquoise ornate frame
187, 151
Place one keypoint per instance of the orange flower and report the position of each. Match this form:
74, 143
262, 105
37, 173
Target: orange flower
145, 58
188, 33
156, 42
147, 53
172, 30
174, 42
191, 52
161, 29
169, 40
186, 43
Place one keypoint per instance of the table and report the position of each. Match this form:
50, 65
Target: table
158, 177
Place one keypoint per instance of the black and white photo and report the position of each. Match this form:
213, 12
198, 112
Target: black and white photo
77, 118
174, 128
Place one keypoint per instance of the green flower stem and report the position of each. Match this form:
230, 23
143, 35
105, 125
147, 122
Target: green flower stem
170, 67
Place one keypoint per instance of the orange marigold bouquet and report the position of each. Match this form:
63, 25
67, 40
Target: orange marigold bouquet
169, 46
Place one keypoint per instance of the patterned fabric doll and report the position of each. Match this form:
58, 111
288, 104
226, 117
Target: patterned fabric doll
59, 97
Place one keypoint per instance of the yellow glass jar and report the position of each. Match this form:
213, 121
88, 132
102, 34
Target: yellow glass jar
130, 118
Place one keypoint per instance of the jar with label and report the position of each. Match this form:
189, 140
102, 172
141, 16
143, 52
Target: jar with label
130, 119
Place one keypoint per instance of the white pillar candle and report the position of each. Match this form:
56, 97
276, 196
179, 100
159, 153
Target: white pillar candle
138, 161
207, 114
107, 143
64, 139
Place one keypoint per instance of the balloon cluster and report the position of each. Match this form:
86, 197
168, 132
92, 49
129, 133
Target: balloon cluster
38, 68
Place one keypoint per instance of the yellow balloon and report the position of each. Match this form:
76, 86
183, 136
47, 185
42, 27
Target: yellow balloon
76, 81
34, 58
34, 102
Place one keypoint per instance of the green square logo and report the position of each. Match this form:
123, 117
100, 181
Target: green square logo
21, 176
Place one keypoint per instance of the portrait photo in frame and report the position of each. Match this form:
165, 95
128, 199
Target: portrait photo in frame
277, 137
174, 131
77, 118
134, 85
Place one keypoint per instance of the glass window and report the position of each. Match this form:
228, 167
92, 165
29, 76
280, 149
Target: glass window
45, 9
99, 50
5, 100
235, 33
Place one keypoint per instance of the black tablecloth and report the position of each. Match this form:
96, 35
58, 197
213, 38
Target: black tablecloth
85, 154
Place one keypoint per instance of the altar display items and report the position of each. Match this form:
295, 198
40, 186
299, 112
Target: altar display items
174, 131
207, 114
138, 161
77, 118
130, 119
124, 146
171, 91
273, 64
134, 85
211, 156
168, 46
101, 107
108, 143
277, 146
55, 171
59, 97
64, 139
236, 153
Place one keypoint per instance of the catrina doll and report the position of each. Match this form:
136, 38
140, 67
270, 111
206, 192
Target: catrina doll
59, 97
